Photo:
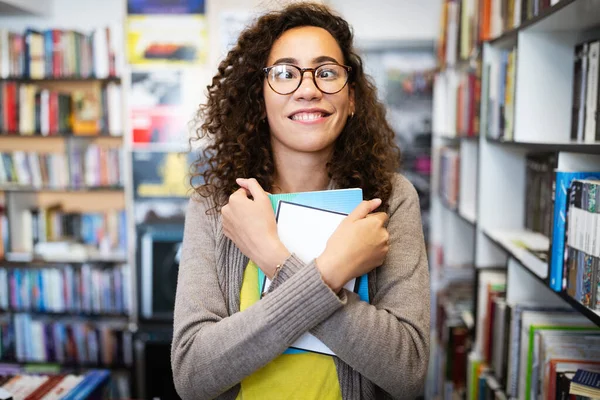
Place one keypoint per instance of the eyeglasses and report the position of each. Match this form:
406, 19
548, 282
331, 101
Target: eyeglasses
328, 78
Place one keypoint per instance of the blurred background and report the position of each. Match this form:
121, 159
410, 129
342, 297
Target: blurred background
97, 99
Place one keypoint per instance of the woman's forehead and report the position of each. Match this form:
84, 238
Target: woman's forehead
307, 46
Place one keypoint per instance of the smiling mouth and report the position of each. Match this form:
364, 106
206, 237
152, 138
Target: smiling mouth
308, 116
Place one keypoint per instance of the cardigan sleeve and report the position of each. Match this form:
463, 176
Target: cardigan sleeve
388, 341
213, 351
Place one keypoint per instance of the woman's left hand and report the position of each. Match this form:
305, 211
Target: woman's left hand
250, 224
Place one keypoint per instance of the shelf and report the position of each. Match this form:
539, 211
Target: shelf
62, 79
27, 136
467, 217
506, 239
61, 366
453, 274
29, 189
536, 267
566, 15
573, 147
42, 262
470, 219
590, 314
458, 138
507, 40
68, 314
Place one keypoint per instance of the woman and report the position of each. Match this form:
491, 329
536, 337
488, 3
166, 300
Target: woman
292, 109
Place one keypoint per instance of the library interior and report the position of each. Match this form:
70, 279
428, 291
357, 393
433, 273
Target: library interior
494, 104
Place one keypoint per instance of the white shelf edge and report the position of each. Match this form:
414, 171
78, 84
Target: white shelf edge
505, 239
467, 216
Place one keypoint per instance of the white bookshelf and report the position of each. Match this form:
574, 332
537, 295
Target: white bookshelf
490, 217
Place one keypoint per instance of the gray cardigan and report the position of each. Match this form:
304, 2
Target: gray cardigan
382, 348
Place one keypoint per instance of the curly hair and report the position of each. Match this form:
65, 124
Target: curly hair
365, 154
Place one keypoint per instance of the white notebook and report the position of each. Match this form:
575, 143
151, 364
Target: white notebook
304, 230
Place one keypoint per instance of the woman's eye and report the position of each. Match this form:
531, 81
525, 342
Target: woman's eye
284, 74
327, 74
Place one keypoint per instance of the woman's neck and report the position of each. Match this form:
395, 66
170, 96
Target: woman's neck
300, 174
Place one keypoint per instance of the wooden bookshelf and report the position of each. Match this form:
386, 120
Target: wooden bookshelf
54, 144
90, 152
84, 201
100, 136
95, 190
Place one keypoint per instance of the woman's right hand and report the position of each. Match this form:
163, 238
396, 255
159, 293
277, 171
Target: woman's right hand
359, 244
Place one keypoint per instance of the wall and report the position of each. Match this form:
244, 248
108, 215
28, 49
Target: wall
16, 7
75, 14
391, 20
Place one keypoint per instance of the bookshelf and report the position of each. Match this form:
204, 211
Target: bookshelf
67, 276
522, 105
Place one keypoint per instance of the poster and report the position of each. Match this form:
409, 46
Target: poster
165, 6
167, 40
161, 175
156, 112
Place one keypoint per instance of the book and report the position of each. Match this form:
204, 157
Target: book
585, 383
340, 200
304, 230
562, 183
299, 213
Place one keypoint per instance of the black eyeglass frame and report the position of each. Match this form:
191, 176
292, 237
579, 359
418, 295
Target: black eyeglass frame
348, 69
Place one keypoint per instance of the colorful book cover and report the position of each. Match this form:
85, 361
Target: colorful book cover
167, 39
587, 379
165, 7
91, 384
87, 111
563, 181
341, 200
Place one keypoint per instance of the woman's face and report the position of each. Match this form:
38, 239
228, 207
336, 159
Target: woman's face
307, 120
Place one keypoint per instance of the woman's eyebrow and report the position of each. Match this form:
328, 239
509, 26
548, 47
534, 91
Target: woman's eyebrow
317, 60
286, 60
323, 59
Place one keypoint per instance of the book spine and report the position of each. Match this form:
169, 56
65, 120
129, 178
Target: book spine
558, 236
